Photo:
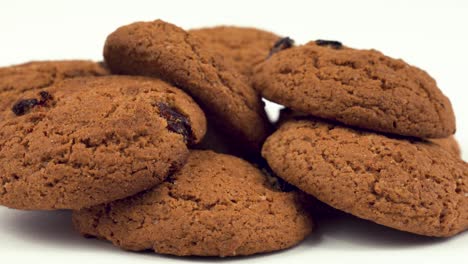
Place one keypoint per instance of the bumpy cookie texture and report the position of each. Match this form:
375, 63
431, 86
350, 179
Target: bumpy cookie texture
242, 46
361, 88
415, 186
166, 51
450, 144
17, 79
216, 205
94, 140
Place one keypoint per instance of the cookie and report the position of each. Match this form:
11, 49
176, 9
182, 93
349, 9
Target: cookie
216, 205
86, 141
244, 47
361, 88
163, 50
450, 144
414, 186
36, 75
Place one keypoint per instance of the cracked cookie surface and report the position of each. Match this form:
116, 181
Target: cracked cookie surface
216, 205
93, 140
36, 75
414, 186
168, 52
242, 46
362, 88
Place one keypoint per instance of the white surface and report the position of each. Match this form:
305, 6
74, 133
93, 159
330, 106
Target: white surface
429, 34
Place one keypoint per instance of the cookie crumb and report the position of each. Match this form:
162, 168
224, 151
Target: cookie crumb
281, 44
332, 43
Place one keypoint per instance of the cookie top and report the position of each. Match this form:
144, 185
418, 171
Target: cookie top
244, 47
86, 141
362, 88
166, 51
36, 75
415, 186
216, 205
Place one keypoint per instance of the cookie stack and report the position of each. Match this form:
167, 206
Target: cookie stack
166, 145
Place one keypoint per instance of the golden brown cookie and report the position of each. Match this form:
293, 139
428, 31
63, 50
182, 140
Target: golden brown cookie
216, 205
36, 75
166, 51
244, 47
86, 141
414, 186
362, 88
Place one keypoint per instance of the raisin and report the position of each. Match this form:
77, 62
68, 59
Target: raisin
45, 97
176, 122
281, 44
24, 106
332, 43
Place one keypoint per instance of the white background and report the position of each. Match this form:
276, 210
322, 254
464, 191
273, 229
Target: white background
430, 34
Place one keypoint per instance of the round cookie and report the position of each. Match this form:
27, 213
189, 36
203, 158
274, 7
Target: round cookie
414, 186
216, 205
244, 47
362, 88
450, 144
166, 51
86, 141
36, 75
